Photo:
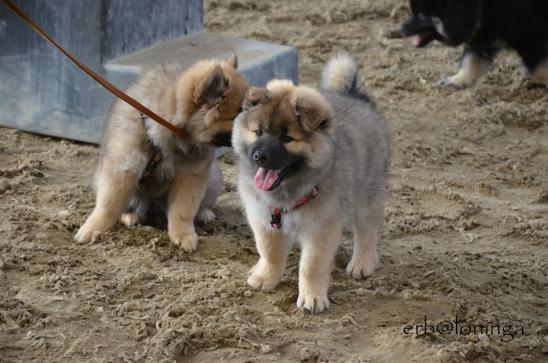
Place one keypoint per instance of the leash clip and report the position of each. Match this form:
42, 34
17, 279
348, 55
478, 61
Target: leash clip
276, 212
276, 218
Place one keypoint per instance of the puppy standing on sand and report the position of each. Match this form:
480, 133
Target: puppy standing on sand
145, 169
310, 161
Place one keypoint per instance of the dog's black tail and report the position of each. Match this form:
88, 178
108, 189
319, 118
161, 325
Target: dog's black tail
341, 75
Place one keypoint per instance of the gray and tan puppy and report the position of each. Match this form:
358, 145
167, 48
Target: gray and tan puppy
145, 170
310, 163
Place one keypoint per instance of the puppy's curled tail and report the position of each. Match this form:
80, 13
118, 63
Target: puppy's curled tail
340, 75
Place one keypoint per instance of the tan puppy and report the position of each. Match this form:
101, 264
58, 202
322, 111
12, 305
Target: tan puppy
309, 163
145, 169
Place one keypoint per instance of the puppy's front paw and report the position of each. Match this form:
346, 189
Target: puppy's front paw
187, 241
360, 268
315, 304
263, 278
453, 82
87, 233
97, 223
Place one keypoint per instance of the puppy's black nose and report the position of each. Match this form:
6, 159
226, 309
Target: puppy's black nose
260, 157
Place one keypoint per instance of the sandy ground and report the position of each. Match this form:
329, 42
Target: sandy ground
466, 229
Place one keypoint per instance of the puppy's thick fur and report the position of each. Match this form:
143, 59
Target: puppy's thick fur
202, 100
485, 27
292, 139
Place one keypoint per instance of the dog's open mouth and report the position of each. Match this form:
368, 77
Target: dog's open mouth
268, 179
423, 38
421, 30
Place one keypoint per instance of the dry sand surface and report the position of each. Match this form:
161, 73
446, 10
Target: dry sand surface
466, 228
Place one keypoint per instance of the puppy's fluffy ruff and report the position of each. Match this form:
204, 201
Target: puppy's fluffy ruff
201, 100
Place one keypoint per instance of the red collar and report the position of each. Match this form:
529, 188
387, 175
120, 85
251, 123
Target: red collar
276, 212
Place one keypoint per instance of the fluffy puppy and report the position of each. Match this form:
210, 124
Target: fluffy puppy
147, 173
310, 162
485, 27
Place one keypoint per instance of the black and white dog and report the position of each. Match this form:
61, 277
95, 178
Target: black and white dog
485, 27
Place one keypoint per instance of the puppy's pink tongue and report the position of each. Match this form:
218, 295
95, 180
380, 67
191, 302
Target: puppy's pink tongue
265, 178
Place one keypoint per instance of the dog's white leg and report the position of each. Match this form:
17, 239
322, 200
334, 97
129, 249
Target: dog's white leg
213, 191
472, 68
273, 248
318, 252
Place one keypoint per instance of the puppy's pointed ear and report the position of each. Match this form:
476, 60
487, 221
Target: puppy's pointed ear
233, 60
211, 87
254, 97
312, 110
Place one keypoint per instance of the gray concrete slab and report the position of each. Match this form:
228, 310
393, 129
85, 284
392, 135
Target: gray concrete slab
42, 92
259, 61
68, 104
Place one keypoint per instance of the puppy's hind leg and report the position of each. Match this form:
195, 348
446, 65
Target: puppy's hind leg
213, 191
364, 257
114, 191
473, 65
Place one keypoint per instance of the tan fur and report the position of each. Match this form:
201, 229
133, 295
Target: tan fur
280, 86
301, 110
202, 100
183, 202
250, 135
311, 108
115, 187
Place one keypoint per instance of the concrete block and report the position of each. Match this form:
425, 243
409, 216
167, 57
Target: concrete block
47, 95
42, 92
259, 61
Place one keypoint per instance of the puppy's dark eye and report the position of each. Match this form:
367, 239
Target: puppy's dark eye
287, 139
258, 132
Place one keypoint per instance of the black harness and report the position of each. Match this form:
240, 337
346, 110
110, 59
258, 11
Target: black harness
156, 156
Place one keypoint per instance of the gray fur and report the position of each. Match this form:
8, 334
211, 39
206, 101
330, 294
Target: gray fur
352, 180
355, 176
341, 75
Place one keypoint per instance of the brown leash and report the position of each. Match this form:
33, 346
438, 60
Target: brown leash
103, 82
